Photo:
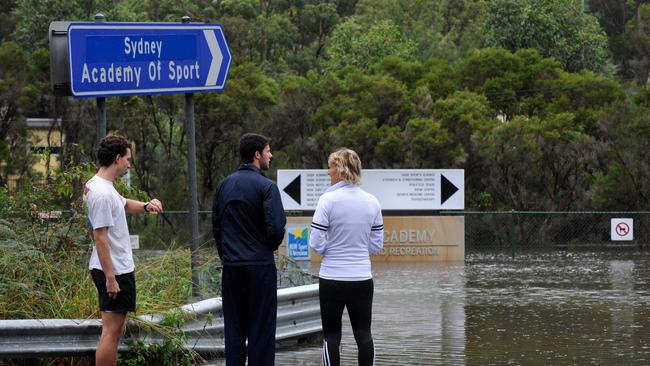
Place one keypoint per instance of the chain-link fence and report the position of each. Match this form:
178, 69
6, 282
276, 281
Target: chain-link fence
173, 229
497, 231
507, 233
516, 231
168, 234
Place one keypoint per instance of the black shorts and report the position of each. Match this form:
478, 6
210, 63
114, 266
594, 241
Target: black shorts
125, 300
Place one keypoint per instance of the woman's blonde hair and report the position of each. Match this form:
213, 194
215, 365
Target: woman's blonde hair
347, 165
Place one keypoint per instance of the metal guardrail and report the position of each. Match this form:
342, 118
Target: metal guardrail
49, 337
298, 318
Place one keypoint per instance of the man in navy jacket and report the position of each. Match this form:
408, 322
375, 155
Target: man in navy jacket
248, 223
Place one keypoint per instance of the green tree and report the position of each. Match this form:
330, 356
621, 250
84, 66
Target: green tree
342, 92
540, 164
556, 28
315, 23
445, 29
14, 155
379, 147
467, 118
584, 94
221, 118
155, 126
294, 125
625, 181
464, 114
614, 16
405, 71
353, 44
7, 21
429, 145
33, 18
271, 38
508, 80
439, 79
247, 9
637, 40
280, 36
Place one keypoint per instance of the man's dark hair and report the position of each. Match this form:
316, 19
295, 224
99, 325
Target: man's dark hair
249, 143
109, 148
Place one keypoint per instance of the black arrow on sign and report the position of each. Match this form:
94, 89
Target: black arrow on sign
447, 189
293, 189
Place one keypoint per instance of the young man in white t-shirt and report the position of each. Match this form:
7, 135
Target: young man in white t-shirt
111, 263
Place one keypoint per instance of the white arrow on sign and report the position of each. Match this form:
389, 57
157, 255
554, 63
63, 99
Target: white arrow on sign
217, 57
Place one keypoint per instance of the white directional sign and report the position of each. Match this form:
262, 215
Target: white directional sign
396, 189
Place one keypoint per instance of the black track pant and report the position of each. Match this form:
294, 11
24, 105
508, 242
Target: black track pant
249, 295
357, 297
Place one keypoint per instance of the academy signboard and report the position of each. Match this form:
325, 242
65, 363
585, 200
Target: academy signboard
406, 238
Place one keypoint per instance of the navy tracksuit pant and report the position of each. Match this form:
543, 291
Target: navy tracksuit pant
250, 303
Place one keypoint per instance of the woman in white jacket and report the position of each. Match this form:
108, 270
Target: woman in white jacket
346, 228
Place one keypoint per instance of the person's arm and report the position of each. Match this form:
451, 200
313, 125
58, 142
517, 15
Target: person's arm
153, 207
104, 253
274, 217
319, 228
377, 233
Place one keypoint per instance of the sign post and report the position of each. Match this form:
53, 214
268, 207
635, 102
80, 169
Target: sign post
120, 59
101, 101
192, 186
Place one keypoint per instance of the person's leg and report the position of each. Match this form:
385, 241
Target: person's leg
331, 311
359, 304
233, 297
263, 308
112, 330
113, 312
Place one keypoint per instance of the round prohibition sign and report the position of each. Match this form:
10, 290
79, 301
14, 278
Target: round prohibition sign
622, 229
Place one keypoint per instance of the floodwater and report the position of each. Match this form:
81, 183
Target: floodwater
561, 308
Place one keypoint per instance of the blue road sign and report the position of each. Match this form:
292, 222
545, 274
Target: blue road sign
111, 59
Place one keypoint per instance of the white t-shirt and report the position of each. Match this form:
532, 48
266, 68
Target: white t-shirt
106, 209
347, 227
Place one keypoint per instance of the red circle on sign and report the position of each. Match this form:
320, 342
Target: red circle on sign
622, 229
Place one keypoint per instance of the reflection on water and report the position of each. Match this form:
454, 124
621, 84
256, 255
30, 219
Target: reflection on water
558, 309
419, 313
621, 277
551, 309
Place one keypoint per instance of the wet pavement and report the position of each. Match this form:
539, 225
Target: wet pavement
558, 308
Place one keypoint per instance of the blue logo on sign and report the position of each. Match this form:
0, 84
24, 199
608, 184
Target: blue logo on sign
298, 243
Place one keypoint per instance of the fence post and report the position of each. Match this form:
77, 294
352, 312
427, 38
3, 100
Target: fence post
101, 101
513, 238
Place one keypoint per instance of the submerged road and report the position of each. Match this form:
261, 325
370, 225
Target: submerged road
556, 308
